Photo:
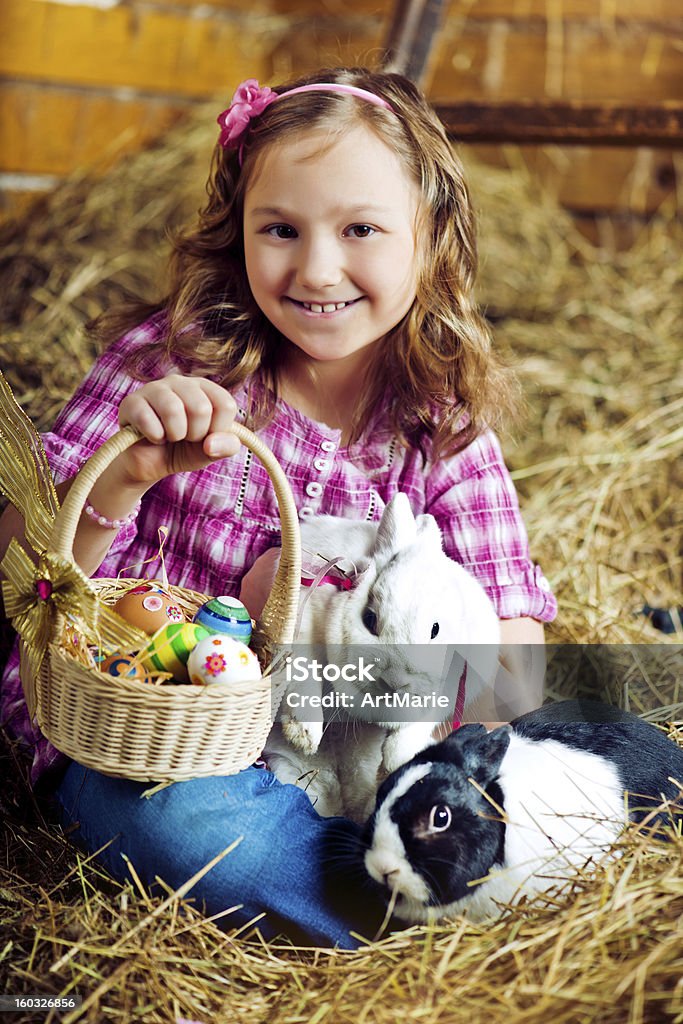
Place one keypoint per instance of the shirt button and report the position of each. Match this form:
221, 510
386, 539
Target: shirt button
305, 511
543, 583
320, 464
328, 446
314, 489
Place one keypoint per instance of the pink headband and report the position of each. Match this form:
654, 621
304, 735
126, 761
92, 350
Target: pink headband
250, 100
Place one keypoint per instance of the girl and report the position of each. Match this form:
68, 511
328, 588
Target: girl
325, 298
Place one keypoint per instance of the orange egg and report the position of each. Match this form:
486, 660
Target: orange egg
125, 666
149, 607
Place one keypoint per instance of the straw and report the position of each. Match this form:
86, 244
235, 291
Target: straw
599, 466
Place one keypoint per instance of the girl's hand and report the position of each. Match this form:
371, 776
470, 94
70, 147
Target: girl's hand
186, 423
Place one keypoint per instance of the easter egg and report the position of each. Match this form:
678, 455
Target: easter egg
226, 615
221, 659
123, 665
170, 647
149, 607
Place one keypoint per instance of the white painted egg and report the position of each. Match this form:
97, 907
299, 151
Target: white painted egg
221, 659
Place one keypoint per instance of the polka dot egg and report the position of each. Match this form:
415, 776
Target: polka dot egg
170, 648
226, 615
221, 659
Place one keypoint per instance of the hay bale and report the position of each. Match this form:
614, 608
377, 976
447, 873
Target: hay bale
599, 466
85, 248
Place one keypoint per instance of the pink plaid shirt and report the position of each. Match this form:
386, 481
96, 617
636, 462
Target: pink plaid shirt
220, 519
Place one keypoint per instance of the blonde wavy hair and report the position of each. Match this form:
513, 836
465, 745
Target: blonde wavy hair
446, 381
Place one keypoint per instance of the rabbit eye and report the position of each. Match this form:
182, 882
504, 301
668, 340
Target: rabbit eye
435, 630
440, 818
370, 621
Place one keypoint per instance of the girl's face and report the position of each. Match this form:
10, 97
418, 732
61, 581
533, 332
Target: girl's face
329, 238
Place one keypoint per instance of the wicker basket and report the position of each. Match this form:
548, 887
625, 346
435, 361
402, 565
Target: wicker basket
125, 727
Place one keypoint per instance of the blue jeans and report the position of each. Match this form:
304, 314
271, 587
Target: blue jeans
291, 865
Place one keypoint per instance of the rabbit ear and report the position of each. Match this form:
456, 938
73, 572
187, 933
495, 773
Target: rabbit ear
479, 753
428, 532
483, 757
396, 530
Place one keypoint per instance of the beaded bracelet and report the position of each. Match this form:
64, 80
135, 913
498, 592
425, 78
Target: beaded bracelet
110, 524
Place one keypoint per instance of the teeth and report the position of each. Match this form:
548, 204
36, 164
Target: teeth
329, 307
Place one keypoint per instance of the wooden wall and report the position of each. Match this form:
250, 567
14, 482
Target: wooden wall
80, 83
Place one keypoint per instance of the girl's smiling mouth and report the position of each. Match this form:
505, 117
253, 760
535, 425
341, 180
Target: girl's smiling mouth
323, 307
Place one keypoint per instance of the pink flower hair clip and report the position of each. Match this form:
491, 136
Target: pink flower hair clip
251, 99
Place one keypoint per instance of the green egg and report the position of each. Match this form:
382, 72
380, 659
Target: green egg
170, 647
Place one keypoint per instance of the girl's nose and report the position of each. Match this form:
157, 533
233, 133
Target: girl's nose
318, 265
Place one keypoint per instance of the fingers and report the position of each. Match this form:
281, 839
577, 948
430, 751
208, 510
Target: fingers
219, 439
183, 409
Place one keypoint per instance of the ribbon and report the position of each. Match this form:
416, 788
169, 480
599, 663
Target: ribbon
25, 477
37, 589
34, 594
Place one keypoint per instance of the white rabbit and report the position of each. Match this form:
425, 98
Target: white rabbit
409, 608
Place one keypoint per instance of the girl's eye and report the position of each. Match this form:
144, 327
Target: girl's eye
435, 630
360, 230
440, 818
281, 231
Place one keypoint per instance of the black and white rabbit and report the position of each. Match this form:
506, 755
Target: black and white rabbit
410, 607
483, 818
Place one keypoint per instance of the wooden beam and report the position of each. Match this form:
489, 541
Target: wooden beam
149, 49
564, 122
410, 37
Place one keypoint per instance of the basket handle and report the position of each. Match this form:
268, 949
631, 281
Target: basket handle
280, 611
